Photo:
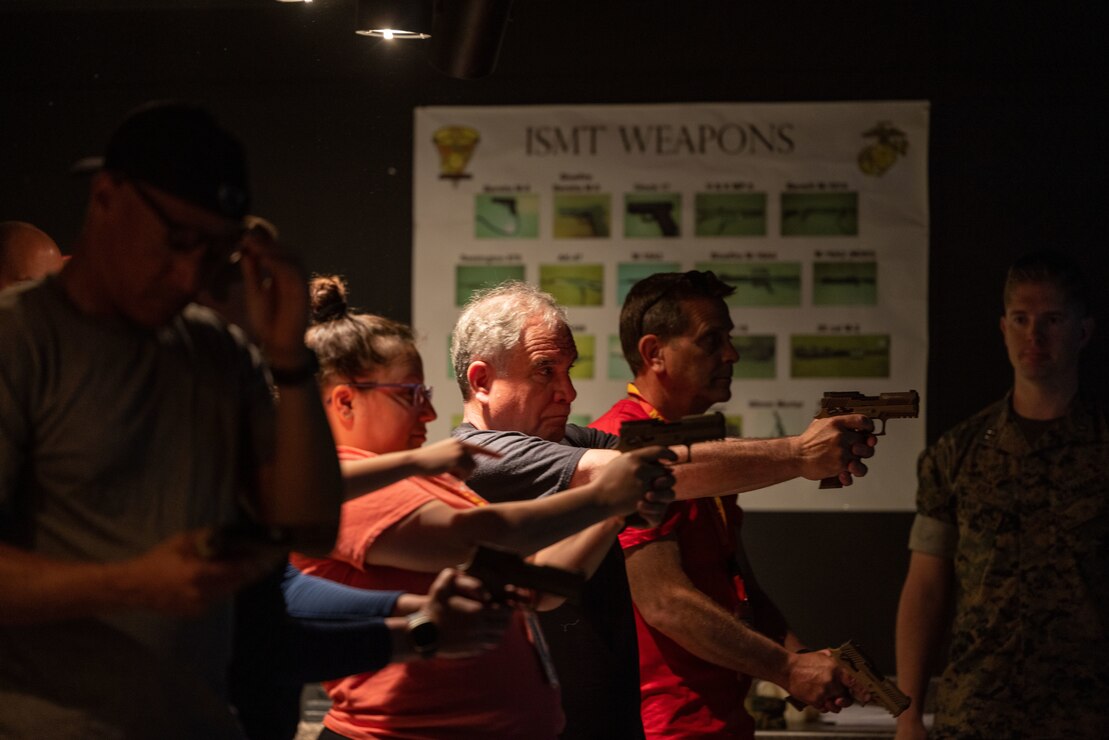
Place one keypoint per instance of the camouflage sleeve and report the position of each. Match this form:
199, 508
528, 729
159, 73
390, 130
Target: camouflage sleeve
933, 537
934, 529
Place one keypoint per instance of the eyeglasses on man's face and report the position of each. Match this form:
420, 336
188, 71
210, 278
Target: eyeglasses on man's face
414, 394
219, 249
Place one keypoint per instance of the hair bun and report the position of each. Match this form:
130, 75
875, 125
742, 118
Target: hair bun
329, 298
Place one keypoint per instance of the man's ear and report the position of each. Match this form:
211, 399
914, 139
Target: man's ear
480, 376
103, 191
650, 351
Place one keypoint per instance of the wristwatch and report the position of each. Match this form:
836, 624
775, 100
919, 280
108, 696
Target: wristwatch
423, 634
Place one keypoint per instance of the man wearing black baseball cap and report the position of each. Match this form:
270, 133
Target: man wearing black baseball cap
134, 423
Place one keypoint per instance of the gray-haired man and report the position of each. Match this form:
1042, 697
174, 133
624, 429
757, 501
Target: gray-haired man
512, 352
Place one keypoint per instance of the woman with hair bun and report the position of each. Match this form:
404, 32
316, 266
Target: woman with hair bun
372, 384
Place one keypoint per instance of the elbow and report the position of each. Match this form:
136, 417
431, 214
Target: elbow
655, 612
547, 602
660, 621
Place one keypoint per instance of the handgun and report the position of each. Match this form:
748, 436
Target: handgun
638, 433
507, 227
659, 211
899, 405
497, 568
856, 664
508, 203
686, 431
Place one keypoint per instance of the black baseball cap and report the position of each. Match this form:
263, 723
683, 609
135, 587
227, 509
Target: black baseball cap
179, 147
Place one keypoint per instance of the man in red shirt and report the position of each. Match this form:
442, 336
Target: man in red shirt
705, 628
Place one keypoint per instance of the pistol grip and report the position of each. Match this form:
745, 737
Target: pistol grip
831, 482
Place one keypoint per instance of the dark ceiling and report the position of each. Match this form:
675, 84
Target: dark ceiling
1017, 90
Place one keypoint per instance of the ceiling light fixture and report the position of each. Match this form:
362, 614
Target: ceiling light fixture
394, 19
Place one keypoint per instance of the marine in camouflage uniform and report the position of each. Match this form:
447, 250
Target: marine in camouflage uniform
1027, 525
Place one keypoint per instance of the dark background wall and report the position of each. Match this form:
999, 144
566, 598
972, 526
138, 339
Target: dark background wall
1018, 160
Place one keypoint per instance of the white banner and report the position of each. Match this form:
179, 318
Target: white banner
817, 213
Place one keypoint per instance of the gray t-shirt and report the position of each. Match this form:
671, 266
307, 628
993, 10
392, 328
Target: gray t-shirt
112, 438
529, 467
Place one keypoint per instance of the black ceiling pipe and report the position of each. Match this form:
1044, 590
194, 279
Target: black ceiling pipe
466, 36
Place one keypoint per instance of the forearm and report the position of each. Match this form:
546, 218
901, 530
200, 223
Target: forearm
362, 476
525, 527
313, 597
438, 536
529, 526
304, 491
334, 630
735, 466
704, 628
35, 589
408, 604
921, 622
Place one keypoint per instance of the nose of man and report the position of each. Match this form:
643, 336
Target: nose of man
1037, 331
565, 390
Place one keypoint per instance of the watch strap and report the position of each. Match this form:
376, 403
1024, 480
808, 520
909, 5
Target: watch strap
423, 634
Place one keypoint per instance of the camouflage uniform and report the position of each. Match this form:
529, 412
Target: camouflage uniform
1028, 528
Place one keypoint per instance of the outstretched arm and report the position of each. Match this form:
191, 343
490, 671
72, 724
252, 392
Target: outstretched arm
829, 447
437, 535
448, 456
338, 630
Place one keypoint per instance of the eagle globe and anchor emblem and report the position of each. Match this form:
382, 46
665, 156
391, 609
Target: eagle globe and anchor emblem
455, 145
889, 143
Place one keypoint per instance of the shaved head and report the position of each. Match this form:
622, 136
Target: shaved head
26, 253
